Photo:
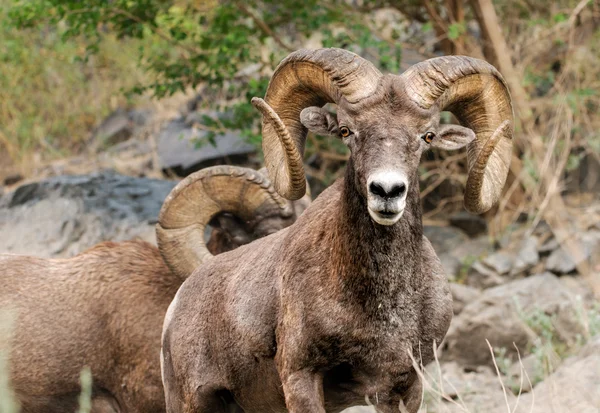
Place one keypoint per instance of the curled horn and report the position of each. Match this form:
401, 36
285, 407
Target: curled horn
197, 199
476, 93
306, 78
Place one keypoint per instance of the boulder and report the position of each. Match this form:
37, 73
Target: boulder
444, 239
562, 262
501, 262
462, 295
472, 225
481, 276
449, 388
499, 314
527, 255
62, 216
573, 387
117, 127
188, 148
451, 264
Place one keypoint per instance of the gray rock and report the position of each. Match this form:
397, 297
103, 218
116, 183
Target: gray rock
481, 276
527, 255
462, 295
528, 367
472, 225
562, 262
573, 387
498, 315
501, 262
451, 265
117, 127
65, 215
548, 246
476, 390
444, 239
472, 248
177, 146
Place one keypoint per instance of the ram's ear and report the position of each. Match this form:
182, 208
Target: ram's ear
319, 121
451, 137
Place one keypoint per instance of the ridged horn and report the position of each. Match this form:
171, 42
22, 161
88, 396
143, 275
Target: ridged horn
306, 78
476, 93
197, 199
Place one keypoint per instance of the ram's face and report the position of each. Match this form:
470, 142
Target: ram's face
386, 140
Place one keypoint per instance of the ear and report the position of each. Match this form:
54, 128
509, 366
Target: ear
451, 137
319, 121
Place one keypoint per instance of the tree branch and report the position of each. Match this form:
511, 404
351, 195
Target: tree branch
264, 27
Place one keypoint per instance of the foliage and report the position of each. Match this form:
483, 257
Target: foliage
210, 43
227, 49
85, 397
50, 98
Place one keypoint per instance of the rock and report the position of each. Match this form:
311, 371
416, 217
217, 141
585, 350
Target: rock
451, 265
498, 315
13, 179
62, 216
462, 295
117, 127
528, 367
573, 387
562, 262
527, 255
481, 276
501, 262
586, 177
472, 225
444, 239
472, 249
177, 147
559, 262
548, 246
477, 390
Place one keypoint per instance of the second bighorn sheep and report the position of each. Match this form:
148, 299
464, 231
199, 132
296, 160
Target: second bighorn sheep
104, 308
330, 311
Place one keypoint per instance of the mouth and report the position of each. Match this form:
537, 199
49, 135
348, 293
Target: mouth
386, 217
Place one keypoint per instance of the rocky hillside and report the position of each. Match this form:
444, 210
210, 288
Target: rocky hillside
523, 295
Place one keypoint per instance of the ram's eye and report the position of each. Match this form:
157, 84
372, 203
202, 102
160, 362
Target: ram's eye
428, 137
345, 132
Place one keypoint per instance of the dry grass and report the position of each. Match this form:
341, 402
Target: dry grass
50, 101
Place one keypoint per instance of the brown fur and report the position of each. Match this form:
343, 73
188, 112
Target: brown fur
104, 309
101, 309
328, 311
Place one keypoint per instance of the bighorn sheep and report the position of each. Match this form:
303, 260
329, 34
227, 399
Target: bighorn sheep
105, 307
330, 310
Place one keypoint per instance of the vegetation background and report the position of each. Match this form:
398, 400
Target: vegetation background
68, 64
65, 65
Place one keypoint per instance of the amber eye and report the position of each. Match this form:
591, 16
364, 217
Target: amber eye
428, 137
344, 131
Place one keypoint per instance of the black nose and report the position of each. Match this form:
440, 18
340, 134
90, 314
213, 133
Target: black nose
387, 191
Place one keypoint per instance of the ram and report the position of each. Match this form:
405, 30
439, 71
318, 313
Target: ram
104, 308
334, 310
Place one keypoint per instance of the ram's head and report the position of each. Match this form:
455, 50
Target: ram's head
387, 121
240, 205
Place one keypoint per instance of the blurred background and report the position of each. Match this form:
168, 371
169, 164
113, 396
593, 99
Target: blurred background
104, 105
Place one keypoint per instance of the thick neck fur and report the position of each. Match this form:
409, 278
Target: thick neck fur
375, 263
